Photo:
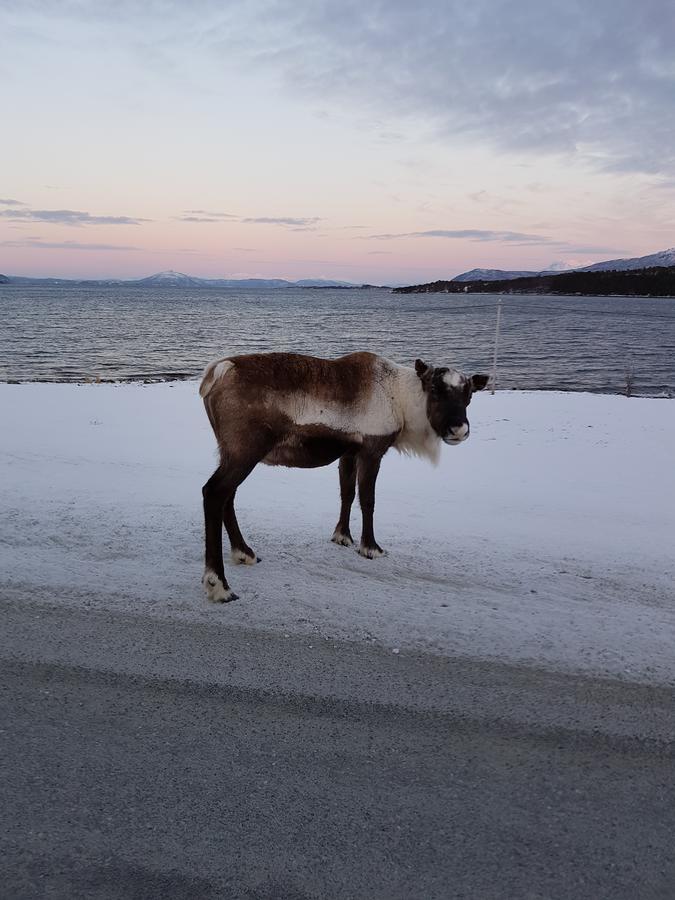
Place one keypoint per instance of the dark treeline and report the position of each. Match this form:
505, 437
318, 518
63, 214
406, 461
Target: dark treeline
658, 281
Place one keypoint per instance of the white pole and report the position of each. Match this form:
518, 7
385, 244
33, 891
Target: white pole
494, 362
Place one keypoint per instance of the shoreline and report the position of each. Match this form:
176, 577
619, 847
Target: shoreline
574, 296
173, 379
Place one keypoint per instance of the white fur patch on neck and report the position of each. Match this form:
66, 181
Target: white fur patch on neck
425, 444
416, 437
454, 379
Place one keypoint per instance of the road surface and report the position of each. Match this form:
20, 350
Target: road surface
148, 759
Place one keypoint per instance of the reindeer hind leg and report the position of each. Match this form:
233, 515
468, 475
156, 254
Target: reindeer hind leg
218, 491
240, 550
214, 581
347, 469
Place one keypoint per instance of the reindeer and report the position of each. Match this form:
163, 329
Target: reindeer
284, 409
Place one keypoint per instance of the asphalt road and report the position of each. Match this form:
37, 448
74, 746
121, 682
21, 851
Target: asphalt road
146, 759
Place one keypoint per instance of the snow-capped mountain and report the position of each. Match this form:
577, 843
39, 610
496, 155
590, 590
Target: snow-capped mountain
321, 282
493, 275
662, 258
179, 279
170, 279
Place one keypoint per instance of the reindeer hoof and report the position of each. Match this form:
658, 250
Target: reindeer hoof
241, 558
216, 591
345, 540
371, 552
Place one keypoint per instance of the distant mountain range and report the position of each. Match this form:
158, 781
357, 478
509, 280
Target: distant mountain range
494, 275
178, 279
662, 258
654, 281
474, 277
172, 279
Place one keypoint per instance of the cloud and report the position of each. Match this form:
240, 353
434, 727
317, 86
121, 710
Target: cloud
514, 238
590, 81
593, 81
7, 202
203, 215
471, 234
303, 223
196, 219
36, 243
294, 223
67, 217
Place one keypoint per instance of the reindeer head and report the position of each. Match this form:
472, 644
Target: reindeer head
448, 393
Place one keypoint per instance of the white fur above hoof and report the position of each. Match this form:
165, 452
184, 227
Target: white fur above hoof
216, 591
343, 539
371, 552
239, 558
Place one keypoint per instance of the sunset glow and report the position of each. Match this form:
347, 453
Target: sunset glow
349, 141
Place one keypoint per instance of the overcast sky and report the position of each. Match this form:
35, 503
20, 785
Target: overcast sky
378, 140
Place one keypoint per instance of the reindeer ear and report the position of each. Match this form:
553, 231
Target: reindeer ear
422, 368
424, 373
479, 382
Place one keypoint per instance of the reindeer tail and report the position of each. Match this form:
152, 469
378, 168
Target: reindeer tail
213, 373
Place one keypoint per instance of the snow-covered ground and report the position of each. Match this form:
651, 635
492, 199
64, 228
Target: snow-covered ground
548, 537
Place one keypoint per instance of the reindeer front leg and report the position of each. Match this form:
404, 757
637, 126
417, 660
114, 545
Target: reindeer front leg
367, 468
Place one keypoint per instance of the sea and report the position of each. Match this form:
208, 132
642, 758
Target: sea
81, 333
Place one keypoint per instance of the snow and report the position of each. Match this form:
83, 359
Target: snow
494, 275
545, 539
662, 258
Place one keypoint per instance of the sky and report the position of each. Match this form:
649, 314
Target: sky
377, 141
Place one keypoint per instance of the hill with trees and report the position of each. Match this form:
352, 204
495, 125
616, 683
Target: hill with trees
655, 281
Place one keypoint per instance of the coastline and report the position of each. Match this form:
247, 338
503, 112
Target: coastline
192, 378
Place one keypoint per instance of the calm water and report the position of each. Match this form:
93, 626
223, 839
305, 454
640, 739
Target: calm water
571, 343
